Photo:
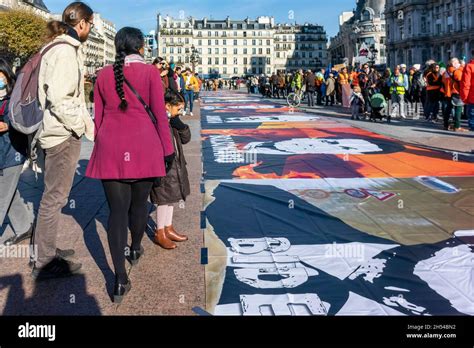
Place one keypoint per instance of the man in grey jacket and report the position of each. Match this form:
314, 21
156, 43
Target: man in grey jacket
66, 120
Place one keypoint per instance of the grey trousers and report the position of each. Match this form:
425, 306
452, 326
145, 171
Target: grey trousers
59, 169
20, 214
398, 103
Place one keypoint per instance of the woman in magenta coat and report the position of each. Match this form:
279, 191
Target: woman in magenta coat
130, 151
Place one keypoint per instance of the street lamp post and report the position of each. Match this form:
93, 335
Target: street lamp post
194, 57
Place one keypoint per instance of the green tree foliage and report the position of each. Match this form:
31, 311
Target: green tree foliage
22, 34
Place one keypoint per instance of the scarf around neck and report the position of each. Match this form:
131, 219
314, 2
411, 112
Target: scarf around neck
134, 58
73, 33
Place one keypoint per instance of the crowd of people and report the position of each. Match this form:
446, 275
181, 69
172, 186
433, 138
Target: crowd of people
216, 84
427, 92
138, 139
180, 80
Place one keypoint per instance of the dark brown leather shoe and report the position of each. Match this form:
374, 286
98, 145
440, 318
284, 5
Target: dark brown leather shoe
163, 241
175, 236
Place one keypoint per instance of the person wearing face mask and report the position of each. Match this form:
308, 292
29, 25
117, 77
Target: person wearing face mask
66, 119
452, 101
174, 188
13, 149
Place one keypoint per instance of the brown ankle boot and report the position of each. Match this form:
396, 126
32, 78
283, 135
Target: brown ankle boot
173, 235
163, 241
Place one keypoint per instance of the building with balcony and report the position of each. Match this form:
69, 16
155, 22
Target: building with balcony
94, 52
99, 49
300, 46
106, 29
418, 30
230, 48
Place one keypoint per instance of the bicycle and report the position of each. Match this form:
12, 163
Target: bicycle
294, 98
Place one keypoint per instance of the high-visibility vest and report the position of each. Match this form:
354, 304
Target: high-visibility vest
398, 89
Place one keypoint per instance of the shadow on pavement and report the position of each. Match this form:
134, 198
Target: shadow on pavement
91, 235
69, 296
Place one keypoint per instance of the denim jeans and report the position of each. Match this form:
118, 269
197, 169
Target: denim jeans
470, 116
189, 99
310, 98
20, 214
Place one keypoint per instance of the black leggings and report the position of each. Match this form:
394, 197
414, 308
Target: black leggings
128, 208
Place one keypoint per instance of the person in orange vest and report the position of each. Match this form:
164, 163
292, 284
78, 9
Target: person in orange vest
451, 90
433, 92
354, 77
342, 81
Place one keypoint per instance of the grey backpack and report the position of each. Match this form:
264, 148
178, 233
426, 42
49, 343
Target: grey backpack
25, 112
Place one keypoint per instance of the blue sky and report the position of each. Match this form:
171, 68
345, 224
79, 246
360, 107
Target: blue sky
142, 13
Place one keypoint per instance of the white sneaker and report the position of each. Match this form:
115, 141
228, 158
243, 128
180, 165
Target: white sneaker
191, 114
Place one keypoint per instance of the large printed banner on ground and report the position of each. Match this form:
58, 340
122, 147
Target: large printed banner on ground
319, 152
333, 220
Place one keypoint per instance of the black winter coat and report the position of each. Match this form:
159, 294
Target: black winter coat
310, 82
175, 186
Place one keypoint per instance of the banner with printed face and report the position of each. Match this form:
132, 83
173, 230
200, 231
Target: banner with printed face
340, 247
342, 152
310, 216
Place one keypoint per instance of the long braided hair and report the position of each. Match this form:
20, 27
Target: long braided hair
127, 41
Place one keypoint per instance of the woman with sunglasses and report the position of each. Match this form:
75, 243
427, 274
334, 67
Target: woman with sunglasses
162, 67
